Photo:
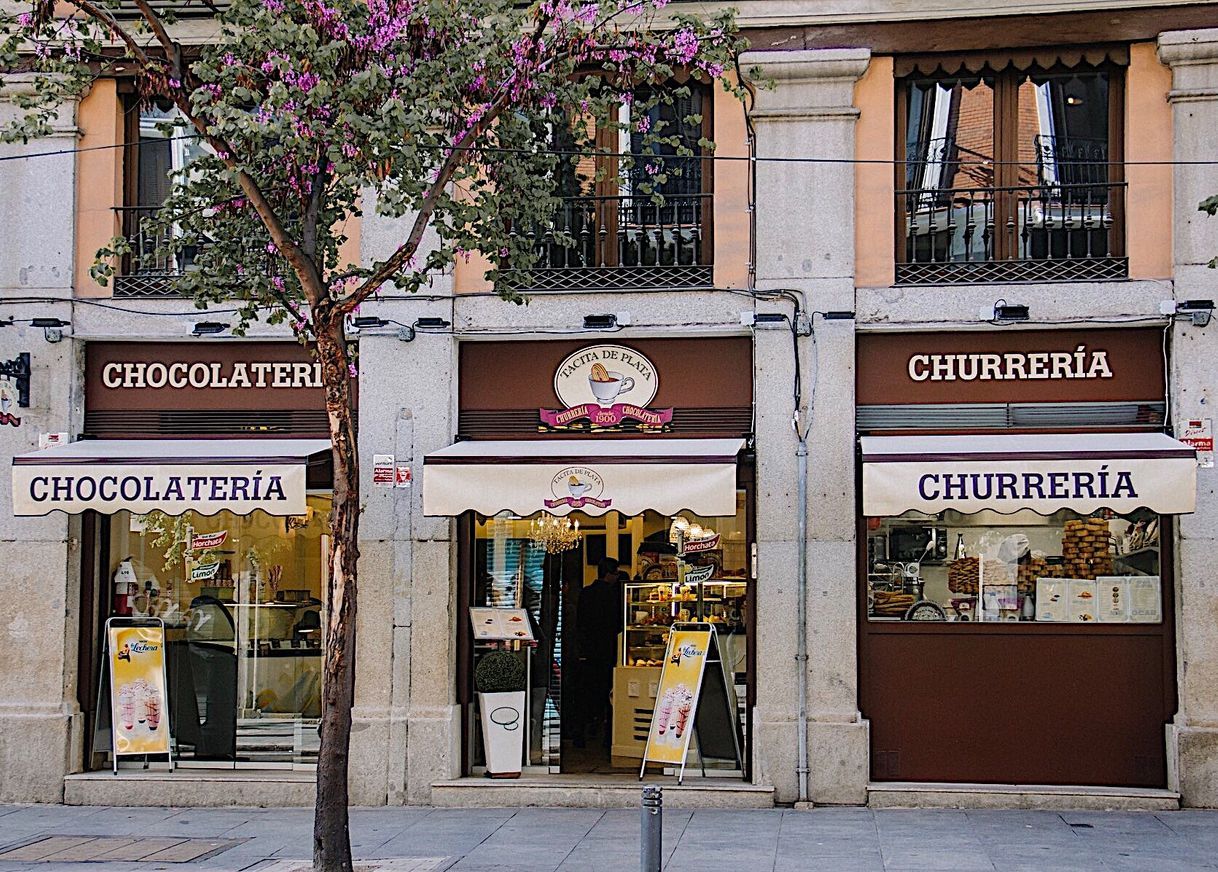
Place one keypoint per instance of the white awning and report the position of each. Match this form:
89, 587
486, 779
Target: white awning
1042, 472
167, 475
587, 475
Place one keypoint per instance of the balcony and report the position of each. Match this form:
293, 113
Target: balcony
148, 270
1059, 220
622, 243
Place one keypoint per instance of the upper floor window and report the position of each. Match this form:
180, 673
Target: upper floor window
160, 155
611, 230
1010, 170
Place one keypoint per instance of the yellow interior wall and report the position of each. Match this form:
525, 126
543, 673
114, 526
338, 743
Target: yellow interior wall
1148, 137
99, 180
874, 190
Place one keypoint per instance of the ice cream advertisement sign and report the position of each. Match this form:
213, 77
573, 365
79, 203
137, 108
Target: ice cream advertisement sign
138, 711
603, 387
672, 721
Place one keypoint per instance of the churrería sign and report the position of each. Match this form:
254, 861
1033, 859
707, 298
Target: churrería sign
604, 386
1011, 366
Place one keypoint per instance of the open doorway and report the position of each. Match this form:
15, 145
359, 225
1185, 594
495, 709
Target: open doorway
601, 593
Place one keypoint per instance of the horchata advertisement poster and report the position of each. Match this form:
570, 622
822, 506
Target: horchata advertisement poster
672, 722
137, 690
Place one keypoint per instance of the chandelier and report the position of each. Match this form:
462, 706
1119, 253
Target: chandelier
554, 534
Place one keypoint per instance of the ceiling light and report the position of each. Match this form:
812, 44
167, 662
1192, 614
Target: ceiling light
600, 322
432, 324
365, 322
1004, 311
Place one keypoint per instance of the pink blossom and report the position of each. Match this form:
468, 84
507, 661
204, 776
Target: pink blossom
25, 19
685, 45
643, 124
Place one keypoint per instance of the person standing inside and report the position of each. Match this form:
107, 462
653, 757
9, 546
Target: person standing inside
600, 623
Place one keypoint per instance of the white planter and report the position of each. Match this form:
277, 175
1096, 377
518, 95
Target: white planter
503, 717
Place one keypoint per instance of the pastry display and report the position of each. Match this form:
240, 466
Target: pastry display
1087, 548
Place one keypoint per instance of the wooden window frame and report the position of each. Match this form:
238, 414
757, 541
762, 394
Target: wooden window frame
1008, 71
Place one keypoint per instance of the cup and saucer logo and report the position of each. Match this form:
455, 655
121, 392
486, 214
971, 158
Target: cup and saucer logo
576, 487
603, 386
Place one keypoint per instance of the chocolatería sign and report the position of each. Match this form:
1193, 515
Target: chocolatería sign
606, 385
1028, 366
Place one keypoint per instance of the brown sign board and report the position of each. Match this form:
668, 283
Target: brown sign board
255, 376
1011, 366
706, 382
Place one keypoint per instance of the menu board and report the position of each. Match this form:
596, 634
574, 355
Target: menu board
1145, 599
498, 625
1082, 600
1113, 595
1051, 599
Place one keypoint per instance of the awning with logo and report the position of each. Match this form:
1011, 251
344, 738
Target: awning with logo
167, 475
594, 476
1042, 472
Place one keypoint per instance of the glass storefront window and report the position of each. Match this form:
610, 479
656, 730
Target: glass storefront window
241, 597
1018, 567
590, 700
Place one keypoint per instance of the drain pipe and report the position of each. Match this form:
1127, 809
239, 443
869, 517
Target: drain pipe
801, 608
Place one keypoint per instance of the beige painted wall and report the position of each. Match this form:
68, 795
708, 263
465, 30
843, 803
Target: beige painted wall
1148, 137
99, 180
731, 206
874, 189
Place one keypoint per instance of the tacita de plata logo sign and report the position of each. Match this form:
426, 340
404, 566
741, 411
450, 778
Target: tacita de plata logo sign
605, 386
576, 487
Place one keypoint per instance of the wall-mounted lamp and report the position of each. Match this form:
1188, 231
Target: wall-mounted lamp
600, 322
1200, 310
52, 328
208, 328
1004, 311
432, 323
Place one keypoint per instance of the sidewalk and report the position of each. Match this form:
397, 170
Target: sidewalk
48, 838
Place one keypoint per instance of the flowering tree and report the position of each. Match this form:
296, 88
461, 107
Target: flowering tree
442, 112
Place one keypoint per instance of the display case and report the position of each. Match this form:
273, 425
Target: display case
651, 607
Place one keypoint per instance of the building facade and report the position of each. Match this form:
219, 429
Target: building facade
969, 294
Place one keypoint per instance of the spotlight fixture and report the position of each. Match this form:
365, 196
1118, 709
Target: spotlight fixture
52, 328
1004, 311
1199, 310
367, 322
432, 324
208, 328
600, 322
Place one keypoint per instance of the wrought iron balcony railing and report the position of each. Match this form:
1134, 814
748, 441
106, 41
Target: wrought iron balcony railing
148, 271
623, 242
1044, 232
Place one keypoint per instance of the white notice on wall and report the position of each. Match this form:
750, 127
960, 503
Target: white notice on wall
1113, 596
1199, 433
1051, 599
1145, 599
382, 470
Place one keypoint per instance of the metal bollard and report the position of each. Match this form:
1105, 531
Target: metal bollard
651, 828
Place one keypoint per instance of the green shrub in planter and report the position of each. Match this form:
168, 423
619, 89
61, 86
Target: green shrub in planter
499, 672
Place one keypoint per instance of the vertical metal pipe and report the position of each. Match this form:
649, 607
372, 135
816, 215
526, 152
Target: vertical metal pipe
801, 609
651, 828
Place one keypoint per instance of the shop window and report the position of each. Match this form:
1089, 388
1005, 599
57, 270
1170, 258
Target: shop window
242, 601
1010, 171
1020, 567
600, 649
647, 226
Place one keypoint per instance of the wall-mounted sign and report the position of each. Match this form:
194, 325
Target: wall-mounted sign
1011, 366
201, 541
382, 470
1199, 433
604, 386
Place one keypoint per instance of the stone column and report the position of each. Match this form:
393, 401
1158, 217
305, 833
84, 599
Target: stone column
805, 243
1193, 737
41, 735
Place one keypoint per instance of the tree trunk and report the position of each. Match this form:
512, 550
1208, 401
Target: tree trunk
331, 833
